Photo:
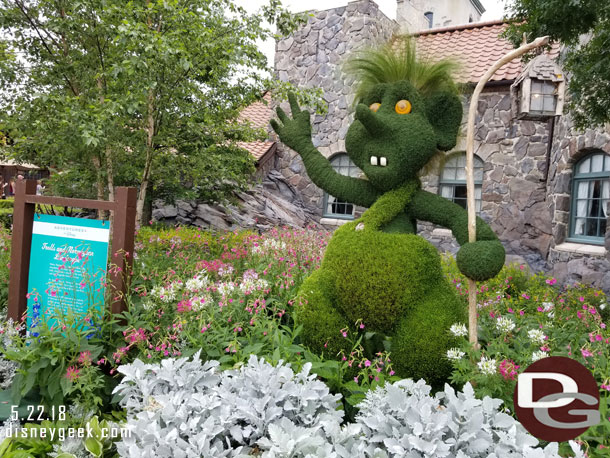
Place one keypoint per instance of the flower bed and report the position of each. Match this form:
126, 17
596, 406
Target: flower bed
221, 299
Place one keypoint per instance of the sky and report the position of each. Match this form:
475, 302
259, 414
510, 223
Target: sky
494, 10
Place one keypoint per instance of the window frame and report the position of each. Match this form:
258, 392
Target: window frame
325, 202
578, 178
429, 16
478, 184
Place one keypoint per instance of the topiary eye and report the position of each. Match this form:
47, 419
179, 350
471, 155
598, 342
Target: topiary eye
403, 107
374, 106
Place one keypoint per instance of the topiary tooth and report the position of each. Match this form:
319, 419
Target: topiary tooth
373, 160
383, 161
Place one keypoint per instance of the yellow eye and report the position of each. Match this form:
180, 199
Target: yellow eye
374, 106
403, 107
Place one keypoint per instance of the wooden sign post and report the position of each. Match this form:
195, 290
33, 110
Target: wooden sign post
122, 244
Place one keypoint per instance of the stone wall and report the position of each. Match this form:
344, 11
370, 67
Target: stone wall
312, 57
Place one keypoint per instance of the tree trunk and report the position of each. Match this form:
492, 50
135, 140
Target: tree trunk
108, 158
100, 182
150, 133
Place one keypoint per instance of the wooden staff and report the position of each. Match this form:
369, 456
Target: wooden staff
472, 217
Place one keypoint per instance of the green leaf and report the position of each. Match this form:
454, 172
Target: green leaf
94, 446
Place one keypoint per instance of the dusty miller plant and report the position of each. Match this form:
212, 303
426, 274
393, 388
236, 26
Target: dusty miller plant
182, 408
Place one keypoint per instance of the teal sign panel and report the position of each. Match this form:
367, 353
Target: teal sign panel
67, 277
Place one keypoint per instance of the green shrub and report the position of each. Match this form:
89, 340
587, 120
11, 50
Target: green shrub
7, 203
6, 217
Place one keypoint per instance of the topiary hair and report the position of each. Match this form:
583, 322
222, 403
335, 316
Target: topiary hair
395, 61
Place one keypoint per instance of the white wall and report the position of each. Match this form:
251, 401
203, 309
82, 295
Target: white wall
410, 13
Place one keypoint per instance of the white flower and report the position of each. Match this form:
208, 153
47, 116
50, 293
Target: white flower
536, 336
148, 305
225, 288
505, 324
487, 366
538, 355
458, 330
602, 306
455, 353
274, 244
166, 294
197, 283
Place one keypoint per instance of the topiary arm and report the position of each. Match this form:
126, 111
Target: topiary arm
389, 205
480, 260
296, 134
430, 207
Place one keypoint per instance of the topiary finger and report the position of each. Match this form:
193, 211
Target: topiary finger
294, 105
275, 126
283, 116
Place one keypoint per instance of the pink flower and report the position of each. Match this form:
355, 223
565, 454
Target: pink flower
586, 353
72, 373
85, 358
508, 369
392, 372
367, 363
356, 379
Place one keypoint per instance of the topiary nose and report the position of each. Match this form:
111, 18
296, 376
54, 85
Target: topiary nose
369, 119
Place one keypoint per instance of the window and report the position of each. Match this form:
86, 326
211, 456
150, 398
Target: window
453, 180
543, 98
590, 197
333, 207
429, 18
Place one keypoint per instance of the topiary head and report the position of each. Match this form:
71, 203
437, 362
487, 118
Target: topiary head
406, 111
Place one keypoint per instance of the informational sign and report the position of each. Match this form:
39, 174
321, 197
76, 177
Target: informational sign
67, 275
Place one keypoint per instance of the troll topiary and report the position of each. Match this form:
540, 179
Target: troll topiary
375, 268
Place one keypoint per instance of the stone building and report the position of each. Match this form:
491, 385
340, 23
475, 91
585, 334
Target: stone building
542, 185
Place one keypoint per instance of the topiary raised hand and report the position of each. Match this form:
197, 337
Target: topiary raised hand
376, 269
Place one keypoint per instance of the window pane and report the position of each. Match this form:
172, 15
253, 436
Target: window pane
477, 192
548, 87
478, 175
460, 191
606, 163
602, 227
447, 192
460, 174
591, 227
536, 87
448, 173
585, 166
579, 226
536, 103
597, 163
549, 104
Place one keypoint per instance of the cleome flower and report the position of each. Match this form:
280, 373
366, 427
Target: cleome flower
505, 325
458, 330
455, 354
538, 355
536, 336
487, 366
197, 283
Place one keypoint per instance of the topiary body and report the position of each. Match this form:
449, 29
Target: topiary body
375, 268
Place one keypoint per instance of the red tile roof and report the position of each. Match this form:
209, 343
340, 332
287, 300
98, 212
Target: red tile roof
259, 115
475, 47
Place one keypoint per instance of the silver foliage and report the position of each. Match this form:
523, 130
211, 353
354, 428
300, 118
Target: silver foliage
183, 408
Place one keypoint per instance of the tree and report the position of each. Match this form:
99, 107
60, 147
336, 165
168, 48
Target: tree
141, 92
583, 26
